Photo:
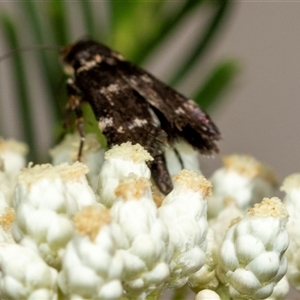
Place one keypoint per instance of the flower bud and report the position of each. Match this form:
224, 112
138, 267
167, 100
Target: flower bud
24, 275
243, 180
291, 186
92, 154
251, 260
184, 212
120, 161
91, 266
147, 255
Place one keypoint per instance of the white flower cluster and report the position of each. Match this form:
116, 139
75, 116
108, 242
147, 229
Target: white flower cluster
45, 200
112, 235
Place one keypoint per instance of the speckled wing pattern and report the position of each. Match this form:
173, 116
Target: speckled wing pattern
132, 105
179, 117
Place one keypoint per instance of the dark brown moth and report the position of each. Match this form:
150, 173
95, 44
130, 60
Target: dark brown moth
132, 105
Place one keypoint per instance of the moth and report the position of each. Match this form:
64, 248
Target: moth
130, 104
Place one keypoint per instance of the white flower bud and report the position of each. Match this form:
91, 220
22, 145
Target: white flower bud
207, 295
244, 180
206, 278
251, 260
184, 213
91, 266
226, 218
76, 183
24, 275
291, 186
45, 199
147, 255
121, 161
92, 154
13, 154
187, 154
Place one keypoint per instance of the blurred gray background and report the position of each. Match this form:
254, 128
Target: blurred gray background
260, 115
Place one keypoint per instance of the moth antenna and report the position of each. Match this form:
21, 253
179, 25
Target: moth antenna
28, 48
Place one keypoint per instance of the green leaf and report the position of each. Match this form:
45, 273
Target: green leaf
132, 24
32, 16
166, 24
88, 17
217, 83
91, 124
58, 18
139, 27
209, 34
23, 97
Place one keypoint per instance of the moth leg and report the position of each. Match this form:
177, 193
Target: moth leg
80, 128
178, 157
74, 104
160, 174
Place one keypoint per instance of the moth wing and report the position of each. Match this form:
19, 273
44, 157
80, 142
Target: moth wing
179, 117
124, 115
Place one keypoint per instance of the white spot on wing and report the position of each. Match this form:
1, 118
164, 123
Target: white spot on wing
190, 104
133, 81
98, 58
87, 65
112, 88
137, 123
120, 129
146, 78
117, 55
105, 122
108, 90
179, 111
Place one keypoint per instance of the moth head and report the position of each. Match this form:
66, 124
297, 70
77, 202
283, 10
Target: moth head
86, 53
73, 56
